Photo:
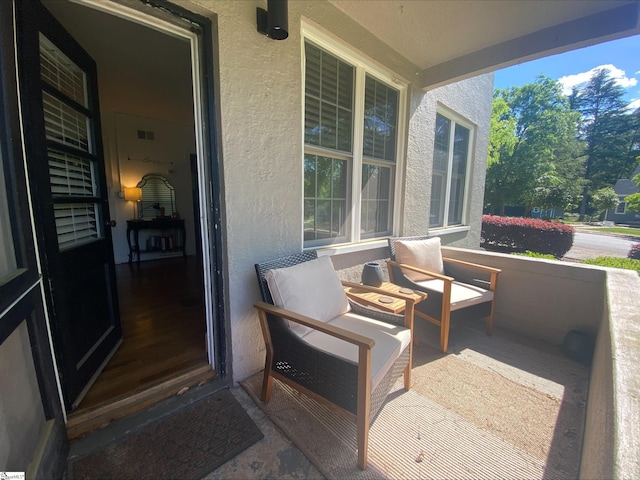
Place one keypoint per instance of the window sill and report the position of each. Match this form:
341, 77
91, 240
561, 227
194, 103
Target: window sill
437, 232
350, 247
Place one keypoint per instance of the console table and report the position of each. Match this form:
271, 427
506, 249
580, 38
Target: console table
165, 243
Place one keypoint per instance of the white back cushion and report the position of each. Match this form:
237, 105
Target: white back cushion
310, 288
424, 254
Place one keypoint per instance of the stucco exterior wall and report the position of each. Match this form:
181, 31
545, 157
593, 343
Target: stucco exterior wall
261, 124
542, 299
470, 99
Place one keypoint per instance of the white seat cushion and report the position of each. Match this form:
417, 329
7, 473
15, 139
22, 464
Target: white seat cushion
424, 254
310, 288
462, 294
391, 340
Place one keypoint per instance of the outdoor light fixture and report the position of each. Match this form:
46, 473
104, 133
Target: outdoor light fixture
133, 194
274, 22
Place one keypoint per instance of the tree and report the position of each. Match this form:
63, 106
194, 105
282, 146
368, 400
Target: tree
604, 199
609, 132
532, 145
633, 200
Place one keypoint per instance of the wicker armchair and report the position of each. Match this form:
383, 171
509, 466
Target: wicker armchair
461, 290
345, 385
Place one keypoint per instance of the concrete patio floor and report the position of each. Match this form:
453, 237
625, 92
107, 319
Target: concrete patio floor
275, 456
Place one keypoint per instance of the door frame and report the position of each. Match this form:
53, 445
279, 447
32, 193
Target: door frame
198, 31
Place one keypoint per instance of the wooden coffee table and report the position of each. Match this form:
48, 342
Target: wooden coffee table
379, 297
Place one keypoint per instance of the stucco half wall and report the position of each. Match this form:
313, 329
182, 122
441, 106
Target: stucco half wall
261, 123
547, 298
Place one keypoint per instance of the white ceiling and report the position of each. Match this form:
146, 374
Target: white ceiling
488, 34
447, 40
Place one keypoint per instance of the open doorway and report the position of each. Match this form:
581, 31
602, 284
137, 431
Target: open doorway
149, 127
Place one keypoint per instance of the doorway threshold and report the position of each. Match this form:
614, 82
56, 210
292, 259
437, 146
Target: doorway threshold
82, 421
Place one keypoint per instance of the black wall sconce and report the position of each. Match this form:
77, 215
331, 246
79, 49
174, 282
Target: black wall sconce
274, 22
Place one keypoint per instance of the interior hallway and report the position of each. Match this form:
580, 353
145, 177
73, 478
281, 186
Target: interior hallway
163, 327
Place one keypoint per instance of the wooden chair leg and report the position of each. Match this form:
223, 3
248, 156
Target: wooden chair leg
363, 443
267, 386
409, 320
364, 405
444, 334
490, 319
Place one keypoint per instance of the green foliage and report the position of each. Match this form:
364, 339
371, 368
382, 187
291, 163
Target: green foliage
535, 255
604, 199
609, 132
615, 262
502, 139
534, 156
633, 202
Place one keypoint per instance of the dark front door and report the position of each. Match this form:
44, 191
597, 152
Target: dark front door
63, 143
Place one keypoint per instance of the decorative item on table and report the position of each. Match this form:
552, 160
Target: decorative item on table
156, 206
372, 274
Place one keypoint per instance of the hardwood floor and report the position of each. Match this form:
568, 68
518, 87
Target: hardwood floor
163, 328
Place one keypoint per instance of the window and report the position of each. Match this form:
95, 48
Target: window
351, 147
622, 207
450, 172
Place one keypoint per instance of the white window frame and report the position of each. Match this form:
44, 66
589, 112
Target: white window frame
456, 119
363, 66
624, 207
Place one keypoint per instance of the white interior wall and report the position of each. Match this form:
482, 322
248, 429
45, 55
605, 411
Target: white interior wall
130, 158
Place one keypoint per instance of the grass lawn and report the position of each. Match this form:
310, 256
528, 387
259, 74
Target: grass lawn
631, 232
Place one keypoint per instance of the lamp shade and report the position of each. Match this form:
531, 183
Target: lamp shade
133, 194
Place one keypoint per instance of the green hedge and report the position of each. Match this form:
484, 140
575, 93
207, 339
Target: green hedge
615, 262
510, 234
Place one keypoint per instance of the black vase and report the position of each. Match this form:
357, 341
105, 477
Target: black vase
372, 274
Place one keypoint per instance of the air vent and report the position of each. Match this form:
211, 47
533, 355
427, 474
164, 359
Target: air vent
146, 135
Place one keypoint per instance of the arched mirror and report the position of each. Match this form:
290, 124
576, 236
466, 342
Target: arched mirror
158, 197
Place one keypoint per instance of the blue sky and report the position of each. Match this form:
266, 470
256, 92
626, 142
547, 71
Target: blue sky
620, 57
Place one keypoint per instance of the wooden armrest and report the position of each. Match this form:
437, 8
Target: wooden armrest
473, 265
340, 333
420, 270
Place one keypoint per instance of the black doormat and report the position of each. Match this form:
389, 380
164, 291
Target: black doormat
187, 445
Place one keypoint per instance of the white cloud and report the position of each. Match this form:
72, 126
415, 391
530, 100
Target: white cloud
620, 77
635, 104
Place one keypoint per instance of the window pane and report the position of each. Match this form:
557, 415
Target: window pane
458, 174
374, 217
380, 120
65, 125
77, 224
440, 164
328, 100
61, 73
436, 214
325, 202
71, 175
450, 163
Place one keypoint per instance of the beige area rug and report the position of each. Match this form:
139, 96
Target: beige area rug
491, 408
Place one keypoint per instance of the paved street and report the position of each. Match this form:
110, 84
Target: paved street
592, 245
